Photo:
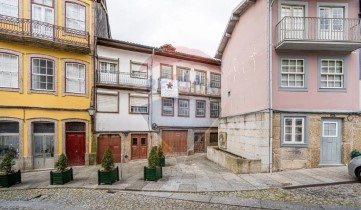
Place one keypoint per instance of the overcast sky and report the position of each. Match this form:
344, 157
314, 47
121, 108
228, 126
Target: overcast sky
196, 24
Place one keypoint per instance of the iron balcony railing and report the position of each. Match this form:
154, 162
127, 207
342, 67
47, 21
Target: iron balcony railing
318, 29
41, 30
194, 88
123, 79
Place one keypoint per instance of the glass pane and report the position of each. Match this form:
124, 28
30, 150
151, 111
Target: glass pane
38, 144
135, 141
49, 146
44, 128
75, 127
143, 142
288, 137
288, 122
288, 130
299, 122
298, 138
9, 127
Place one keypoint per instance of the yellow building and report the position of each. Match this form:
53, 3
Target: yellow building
46, 77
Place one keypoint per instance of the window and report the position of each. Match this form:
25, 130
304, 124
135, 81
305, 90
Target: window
9, 70
183, 107
9, 8
215, 81
9, 137
75, 78
332, 73
107, 102
138, 70
200, 78
44, 2
75, 127
166, 72
75, 16
42, 74
138, 104
213, 138
200, 108
214, 109
183, 75
292, 73
294, 130
108, 67
329, 129
168, 106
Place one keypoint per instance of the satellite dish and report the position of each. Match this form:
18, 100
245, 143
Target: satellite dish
154, 126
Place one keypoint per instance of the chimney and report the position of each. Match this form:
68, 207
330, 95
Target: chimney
169, 47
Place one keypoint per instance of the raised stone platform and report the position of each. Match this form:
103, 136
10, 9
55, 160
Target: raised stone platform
236, 164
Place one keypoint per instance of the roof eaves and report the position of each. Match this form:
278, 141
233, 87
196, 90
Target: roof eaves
237, 12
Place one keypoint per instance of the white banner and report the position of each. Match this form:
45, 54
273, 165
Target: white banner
169, 88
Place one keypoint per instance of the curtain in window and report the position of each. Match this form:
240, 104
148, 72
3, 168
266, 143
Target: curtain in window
75, 78
9, 8
9, 71
75, 16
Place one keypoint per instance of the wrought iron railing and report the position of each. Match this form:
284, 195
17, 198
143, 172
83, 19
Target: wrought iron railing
41, 30
318, 29
121, 78
194, 88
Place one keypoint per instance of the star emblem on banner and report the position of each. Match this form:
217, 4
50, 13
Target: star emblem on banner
170, 85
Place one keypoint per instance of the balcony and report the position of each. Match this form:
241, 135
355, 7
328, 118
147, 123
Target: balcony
42, 34
318, 34
191, 88
123, 80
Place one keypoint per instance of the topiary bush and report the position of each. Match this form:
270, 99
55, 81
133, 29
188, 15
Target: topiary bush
6, 165
153, 159
160, 152
108, 160
62, 163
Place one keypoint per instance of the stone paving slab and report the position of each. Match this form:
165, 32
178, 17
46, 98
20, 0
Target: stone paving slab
191, 174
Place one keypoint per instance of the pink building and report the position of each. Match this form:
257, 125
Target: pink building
290, 83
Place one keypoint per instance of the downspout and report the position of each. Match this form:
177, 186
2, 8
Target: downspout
150, 116
359, 14
270, 102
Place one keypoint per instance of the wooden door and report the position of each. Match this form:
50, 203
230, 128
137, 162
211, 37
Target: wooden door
174, 142
139, 146
331, 141
199, 143
75, 148
111, 141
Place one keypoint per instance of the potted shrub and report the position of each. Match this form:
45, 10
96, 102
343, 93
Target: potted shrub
161, 157
109, 174
62, 175
153, 172
355, 153
8, 176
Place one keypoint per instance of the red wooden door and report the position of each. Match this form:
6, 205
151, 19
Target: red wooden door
75, 148
174, 142
139, 146
109, 141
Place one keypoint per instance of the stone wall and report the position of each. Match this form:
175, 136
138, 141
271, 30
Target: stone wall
285, 158
248, 136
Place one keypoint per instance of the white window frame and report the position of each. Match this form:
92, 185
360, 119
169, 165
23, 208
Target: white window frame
289, 73
79, 20
168, 76
293, 132
184, 108
199, 109
201, 78
215, 80
39, 74
342, 74
138, 109
138, 74
323, 129
212, 109
81, 81
108, 68
13, 8
183, 74
168, 105
6, 70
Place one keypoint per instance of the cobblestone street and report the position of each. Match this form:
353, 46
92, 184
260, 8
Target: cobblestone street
347, 196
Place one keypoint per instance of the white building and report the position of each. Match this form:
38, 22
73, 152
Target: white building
131, 116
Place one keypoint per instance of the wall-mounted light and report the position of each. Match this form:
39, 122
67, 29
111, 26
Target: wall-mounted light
229, 93
91, 111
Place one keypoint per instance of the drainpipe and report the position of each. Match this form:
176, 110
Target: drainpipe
150, 116
359, 14
270, 48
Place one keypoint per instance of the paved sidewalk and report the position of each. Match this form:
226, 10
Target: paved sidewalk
190, 174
